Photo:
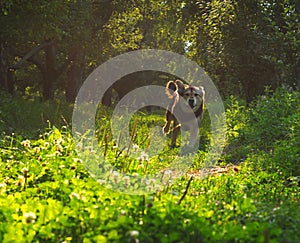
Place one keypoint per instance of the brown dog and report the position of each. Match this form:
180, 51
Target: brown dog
193, 101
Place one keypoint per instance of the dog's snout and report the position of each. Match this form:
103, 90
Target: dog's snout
191, 102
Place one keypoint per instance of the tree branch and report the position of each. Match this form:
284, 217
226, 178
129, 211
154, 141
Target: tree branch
29, 55
37, 62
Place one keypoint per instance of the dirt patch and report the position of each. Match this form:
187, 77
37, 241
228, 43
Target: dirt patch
215, 171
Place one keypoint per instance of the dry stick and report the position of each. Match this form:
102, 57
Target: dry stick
105, 143
186, 190
143, 141
146, 167
134, 131
132, 137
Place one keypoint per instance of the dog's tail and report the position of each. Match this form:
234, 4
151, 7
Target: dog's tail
172, 87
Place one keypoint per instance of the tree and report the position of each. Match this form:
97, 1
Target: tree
139, 25
243, 44
68, 25
282, 31
22, 40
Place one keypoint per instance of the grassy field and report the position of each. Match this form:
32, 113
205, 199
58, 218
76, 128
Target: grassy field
251, 195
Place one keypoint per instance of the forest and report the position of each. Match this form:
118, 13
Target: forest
250, 50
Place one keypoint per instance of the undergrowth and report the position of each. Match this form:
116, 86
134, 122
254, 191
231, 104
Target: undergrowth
29, 117
47, 195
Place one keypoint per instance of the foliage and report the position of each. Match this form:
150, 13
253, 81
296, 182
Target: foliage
28, 117
271, 130
73, 29
252, 195
243, 45
246, 45
46, 194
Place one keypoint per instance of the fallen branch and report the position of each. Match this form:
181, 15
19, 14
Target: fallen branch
186, 190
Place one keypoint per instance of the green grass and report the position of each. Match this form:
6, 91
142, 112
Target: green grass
252, 195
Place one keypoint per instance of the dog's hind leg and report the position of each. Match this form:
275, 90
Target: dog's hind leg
169, 118
166, 128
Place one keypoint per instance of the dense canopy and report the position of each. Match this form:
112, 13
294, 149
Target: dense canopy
49, 47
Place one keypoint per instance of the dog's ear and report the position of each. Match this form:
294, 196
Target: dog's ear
181, 86
202, 105
171, 87
203, 99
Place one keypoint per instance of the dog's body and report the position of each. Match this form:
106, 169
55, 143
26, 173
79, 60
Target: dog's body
192, 102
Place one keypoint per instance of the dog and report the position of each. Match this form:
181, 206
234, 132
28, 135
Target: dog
185, 100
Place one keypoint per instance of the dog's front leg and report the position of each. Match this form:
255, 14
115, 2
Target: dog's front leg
193, 137
176, 129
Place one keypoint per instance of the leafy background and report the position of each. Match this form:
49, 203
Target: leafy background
249, 48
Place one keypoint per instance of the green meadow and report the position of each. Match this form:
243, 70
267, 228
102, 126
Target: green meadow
252, 193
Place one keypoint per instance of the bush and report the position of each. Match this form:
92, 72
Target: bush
30, 117
270, 126
274, 117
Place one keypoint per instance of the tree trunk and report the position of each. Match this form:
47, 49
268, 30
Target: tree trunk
74, 81
2, 69
107, 97
49, 73
2, 80
48, 68
10, 81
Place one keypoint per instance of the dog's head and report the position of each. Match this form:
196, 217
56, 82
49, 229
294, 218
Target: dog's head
193, 95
